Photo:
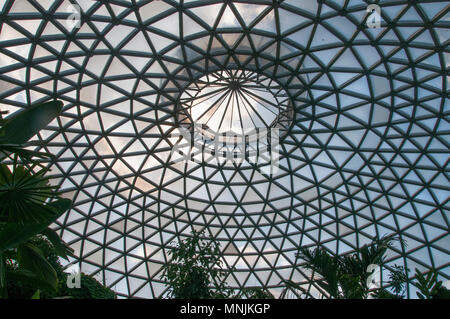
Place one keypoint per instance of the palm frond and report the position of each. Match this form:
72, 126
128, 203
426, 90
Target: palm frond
375, 252
295, 289
23, 195
325, 265
17, 129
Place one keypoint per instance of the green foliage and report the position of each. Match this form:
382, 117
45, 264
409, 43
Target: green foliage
441, 293
397, 280
31, 258
352, 285
23, 194
326, 265
27, 207
296, 289
345, 277
195, 272
429, 287
29, 249
28, 204
26, 287
195, 264
21, 126
18, 128
21, 283
59, 247
382, 293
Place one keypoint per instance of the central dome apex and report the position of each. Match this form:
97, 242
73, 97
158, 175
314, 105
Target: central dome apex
235, 101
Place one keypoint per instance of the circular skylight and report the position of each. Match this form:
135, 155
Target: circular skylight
234, 101
360, 99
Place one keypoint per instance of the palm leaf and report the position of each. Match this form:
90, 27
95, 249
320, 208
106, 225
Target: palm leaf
326, 266
21, 126
14, 234
20, 151
375, 252
23, 194
428, 285
26, 276
351, 265
31, 258
61, 249
294, 288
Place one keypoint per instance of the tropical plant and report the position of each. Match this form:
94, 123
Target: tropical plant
89, 288
23, 261
28, 204
295, 290
195, 265
344, 277
24, 288
429, 286
397, 281
20, 127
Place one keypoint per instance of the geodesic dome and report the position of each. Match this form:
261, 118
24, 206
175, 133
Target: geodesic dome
364, 113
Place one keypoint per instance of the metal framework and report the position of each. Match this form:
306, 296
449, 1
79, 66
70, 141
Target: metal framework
366, 154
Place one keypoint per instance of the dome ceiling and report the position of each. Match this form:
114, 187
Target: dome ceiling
365, 114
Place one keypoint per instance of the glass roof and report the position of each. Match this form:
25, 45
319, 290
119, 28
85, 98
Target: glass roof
234, 101
365, 109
